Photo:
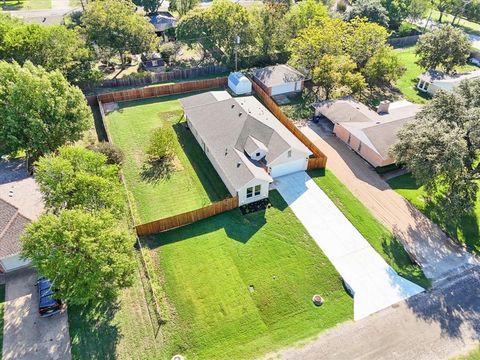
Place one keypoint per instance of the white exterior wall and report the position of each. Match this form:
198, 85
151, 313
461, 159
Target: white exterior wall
244, 86
242, 193
287, 88
284, 164
232, 191
261, 153
13, 263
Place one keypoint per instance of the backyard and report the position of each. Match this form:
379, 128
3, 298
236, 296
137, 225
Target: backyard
192, 185
467, 231
241, 285
375, 233
408, 81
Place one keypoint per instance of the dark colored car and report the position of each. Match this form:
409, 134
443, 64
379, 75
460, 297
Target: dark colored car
47, 305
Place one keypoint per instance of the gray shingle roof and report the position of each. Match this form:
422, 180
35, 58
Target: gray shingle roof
12, 225
277, 75
227, 127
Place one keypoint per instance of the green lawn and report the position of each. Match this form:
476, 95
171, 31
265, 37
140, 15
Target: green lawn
464, 24
468, 231
195, 182
408, 81
25, 4
240, 286
2, 304
473, 355
116, 331
381, 239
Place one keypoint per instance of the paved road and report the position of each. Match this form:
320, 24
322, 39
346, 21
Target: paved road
27, 336
425, 241
433, 325
55, 15
374, 283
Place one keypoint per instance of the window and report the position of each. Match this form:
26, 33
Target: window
289, 154
258, 189
249, 192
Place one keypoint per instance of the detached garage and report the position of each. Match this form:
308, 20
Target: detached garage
279, 79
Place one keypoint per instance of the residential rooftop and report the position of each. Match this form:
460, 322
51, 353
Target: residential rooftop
277, 75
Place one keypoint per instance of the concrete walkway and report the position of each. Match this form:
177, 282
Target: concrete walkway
374, 284
438, 255
434, 325
27, 336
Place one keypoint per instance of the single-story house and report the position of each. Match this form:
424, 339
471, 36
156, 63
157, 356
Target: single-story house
12, 224
369, 133
432, 81
162, 21
153, 62
239, 83
246, 144
279, 79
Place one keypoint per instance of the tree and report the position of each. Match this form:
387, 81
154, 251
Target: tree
78, 178
113, 153
162, 144
150, 6
88, 256
446, 47
306, 13
182, 6
441, 148
336, 72
40, 110
113, 25
417, 8
382, 68
373, 10
53, 47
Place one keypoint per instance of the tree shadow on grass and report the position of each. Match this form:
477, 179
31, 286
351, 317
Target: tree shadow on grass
208, 176
157, 170
92, 332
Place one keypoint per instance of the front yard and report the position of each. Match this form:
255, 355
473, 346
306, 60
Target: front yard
240, 286
192, 185
467, 231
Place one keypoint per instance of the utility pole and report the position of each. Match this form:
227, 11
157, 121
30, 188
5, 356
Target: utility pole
237, 42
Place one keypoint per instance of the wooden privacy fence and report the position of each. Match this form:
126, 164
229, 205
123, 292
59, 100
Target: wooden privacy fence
152, 78
319, 157
161, 90
190, 217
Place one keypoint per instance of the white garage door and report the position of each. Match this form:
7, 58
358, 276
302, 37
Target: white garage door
288, 168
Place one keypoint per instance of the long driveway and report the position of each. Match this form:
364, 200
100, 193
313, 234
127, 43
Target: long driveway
374, 283
438, 255
27, 336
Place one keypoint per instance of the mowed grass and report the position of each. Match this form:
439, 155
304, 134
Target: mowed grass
115, 331
466, 231
192, 185
381, 239
2, 308
464, 24
241, 286
407, 84
25, 4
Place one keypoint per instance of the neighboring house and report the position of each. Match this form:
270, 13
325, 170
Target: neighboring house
162, 21
12, 224
239, 83
432, 81
153, 63
245, 143
370, 134
279, 79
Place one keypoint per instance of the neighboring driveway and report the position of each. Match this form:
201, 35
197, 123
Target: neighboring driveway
433, 325
374, 283
438, 255
27, 335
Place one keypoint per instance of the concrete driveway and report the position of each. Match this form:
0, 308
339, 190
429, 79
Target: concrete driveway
27, 335
374, 283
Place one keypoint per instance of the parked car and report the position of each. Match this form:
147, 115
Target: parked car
47, 304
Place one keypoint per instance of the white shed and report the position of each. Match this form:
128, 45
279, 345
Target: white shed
239, 83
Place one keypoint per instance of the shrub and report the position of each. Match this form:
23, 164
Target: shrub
113, 153
162, 144
167, 51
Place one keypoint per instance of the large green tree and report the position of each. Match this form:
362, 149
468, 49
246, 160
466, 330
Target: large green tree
77, 178
182, 7
114, 26
88, 256
149, 6
53, 47
40, 110
445, 47
442, 147
373, 10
